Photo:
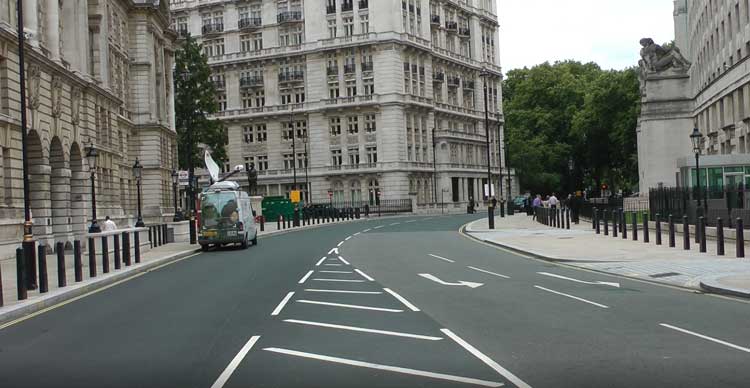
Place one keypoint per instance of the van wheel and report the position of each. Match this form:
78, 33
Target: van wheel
204, 247
255, 240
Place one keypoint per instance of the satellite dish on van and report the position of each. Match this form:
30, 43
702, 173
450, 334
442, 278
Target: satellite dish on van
211, 166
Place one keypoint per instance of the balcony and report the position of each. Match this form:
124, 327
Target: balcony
249, 23
251, 81
291, 76
451, 26
364, 4
289, 16
347, 6
435, 19
214, 28
332, 70
330, 9
468, 85
367, 66
438, 77
464, 32
183, 32
350, 69
219, 84
453, 82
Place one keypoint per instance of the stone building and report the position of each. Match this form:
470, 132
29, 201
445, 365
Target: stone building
354, 92
705, 85
97, 71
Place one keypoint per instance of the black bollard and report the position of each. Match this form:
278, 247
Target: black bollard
77, 260
262, 223
151, 237
702, 230
597, 221
594, 219
105, 255
126, 248
62, 281
116, 248
357, 213
685, 233
164, 232
1, 288
635, 226
615, 222
740, 238
623, 225
158, 235
567, 218
137, 246
21, 274
719, 237
657, 232
92, 257
606, 222
278, 222
42, 255
672, 242
646, 235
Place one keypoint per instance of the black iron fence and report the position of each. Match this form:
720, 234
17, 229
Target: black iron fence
728, 203
377, 208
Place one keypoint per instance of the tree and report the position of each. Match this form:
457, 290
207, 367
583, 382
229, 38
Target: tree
195, 99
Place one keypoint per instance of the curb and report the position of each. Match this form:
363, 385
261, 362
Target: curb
711, 284
31, 307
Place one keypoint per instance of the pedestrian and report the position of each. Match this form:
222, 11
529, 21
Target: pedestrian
553, 201
471, 205
109, 225
535, 205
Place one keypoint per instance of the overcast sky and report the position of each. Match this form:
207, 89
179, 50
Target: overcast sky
603, 31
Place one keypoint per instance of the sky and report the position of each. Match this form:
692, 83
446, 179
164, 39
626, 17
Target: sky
603, 31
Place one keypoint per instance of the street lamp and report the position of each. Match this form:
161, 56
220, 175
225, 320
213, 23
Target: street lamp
697, 138
138, 173
307, 178
175, 180
484, 74
91, 154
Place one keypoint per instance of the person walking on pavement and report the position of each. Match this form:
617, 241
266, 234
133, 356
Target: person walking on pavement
109, 225
535, 205
553, 201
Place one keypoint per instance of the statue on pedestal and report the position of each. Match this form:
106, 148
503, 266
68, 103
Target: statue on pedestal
252, 180
655, 58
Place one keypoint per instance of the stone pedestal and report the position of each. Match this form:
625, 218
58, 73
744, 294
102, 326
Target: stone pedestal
181, 231
257, 201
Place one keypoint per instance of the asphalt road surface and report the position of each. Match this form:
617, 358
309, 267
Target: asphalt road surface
392, 302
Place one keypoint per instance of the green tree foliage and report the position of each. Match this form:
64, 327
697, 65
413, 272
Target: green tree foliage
195, 98
569, 111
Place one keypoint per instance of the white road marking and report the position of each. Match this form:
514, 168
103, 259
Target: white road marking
378, 227
333, 250
579, 281
283, 303
572, 297
344, 261
364, 275
410, 221
401, 299
340, 280
705, 337
357, 234
336, 271
366, 230
321, 261
348, 238
441, 258
394, 224
389, 368
344, 291
443, 282
491, 273
340, 244
307, 275
227, 373
365, 330
490, 362
349, 306
333, 265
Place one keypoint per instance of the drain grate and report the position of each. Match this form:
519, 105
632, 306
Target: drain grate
665, 275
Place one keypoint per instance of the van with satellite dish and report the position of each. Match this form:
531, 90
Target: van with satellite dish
227, 217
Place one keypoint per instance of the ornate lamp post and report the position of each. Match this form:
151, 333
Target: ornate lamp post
490, 209
177, 212
697, 139
91, 154
308, 186
137, 173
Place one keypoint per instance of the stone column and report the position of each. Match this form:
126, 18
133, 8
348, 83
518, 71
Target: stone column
52, 29
30, 26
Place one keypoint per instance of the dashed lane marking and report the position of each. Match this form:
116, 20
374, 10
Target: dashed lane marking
401, 299
488, 272
307, 275
364, 330
344, 260
283, 303
366, 230
442, 258
395, 369
364, 275
705, 337
348, 238
340, 244
227, 373
572, 297
349, 306
321, 261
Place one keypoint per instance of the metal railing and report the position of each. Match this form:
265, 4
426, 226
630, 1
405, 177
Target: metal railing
330, 8
289, 16
347, 6
435, 19
367, 66
249, 23
212, 28
451, 26
291, 76
350, 69
364, 4
251, 81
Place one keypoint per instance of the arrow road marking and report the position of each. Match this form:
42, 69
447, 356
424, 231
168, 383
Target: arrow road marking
460, 283
612, 284
334, 250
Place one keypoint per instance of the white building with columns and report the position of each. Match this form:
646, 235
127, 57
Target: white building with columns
97, 71
354, 94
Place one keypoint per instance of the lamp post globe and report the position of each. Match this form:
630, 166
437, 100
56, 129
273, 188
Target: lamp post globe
697, 139
175, 181
91, 155
138, 173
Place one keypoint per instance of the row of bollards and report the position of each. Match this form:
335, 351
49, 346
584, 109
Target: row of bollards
557, 218
316, 217
122, 254
618, 221
157, 235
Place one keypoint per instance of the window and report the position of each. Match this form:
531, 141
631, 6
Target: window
221, 100
369, 123
261, 134
262, 163
247, 98
333, 90
286, 96
351, 88
247, 133
288, 161
372, 154
299, 95
331, 28
301, 160
257, 41
335, 126
301, 129
249, 160
353, 122
260, 98
287, 130
336, 157
338, 192
245, 43
356, 191
348, 26
353, 153
373, 189
364, 24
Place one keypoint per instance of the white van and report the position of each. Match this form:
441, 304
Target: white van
227, 217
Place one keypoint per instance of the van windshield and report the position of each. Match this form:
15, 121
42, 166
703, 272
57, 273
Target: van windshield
219, 209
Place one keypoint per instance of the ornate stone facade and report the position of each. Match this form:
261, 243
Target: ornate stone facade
91, 67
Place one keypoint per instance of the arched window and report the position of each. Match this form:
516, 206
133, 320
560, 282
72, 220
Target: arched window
356, 192
373, 188
338, 192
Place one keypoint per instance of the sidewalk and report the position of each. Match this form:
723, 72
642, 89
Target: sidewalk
582, 247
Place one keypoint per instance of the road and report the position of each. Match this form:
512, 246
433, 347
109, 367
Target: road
392, 302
